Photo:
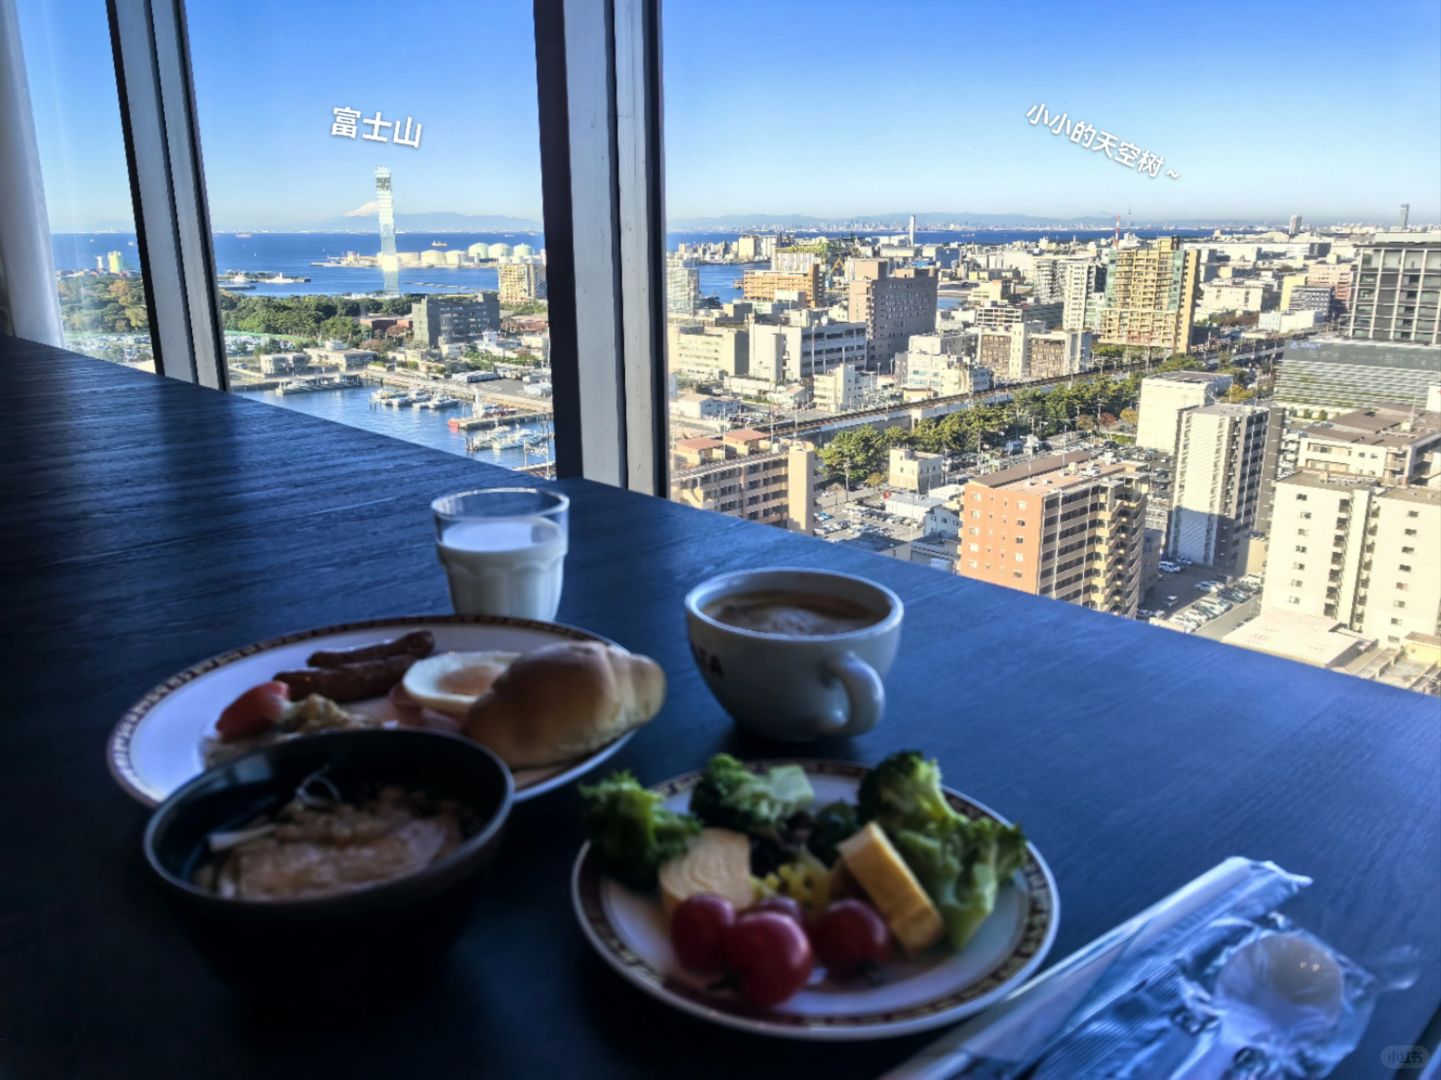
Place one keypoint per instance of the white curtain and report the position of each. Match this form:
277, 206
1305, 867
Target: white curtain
29, 304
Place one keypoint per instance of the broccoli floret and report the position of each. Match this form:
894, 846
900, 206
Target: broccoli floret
904, 792
631, 831
833, 823
961, 865
730, 796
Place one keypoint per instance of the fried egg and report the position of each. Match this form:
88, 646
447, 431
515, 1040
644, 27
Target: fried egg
450, 682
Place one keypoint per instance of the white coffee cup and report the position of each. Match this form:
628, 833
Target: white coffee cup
794, 686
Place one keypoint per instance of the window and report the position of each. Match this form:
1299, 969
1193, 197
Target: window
377, 221
104, 309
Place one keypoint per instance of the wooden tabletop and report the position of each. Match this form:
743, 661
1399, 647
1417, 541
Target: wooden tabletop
149, 523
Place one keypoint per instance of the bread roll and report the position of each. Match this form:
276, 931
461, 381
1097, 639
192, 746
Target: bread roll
564, 701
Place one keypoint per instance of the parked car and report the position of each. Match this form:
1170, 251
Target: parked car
1183, 561
1207, 586
1170, 568
1170, 601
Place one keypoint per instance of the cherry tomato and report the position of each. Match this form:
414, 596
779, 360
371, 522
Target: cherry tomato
697, 931
781, 905
851, 939
254, 711
769, 955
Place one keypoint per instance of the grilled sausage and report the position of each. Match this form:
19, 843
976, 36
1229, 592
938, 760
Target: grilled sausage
349, 682
417, 643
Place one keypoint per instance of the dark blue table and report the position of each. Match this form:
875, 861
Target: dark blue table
149, 523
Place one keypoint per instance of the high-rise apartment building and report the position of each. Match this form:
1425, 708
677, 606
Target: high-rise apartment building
1080, 300
1397, 294
1150, 294
1339, 374
452, 320
771, 284
682, 287
1048, 279
1068, 526
115, 262
1221, 452
1358, 552
521, 281
894, 303
1165, 397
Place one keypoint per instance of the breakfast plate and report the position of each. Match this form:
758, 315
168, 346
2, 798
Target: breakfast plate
628, 929
159, 743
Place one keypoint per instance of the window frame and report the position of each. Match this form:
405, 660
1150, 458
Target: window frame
598, 87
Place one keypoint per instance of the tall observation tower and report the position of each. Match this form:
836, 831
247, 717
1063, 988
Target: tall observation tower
389, 261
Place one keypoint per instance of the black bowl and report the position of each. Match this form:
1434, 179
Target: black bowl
354, 949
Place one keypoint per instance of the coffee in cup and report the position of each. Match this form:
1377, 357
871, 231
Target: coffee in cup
795, 654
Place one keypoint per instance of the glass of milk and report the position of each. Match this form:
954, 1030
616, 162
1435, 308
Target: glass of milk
503, 550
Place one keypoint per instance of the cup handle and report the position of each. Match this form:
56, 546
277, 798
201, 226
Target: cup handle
865, 693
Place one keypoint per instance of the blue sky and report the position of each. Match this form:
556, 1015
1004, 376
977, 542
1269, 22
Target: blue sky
820, 107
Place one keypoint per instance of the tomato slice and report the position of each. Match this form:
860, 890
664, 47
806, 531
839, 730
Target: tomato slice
254, 711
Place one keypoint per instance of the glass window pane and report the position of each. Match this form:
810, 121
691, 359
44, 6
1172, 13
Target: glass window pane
87, 186
903, 272
377, 222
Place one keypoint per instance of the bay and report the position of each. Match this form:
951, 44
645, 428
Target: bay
426, 427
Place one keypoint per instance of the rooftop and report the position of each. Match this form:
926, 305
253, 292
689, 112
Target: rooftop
1393, 354
700, 443
1311, 639
1188, 376
1056, 473
1323, 481
1384, 425
1424, 495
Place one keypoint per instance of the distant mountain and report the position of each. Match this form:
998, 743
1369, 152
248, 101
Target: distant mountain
440, 221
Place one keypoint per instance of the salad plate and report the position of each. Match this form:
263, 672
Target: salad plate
629, 931
159, 743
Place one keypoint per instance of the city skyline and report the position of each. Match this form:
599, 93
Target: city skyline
1239, 122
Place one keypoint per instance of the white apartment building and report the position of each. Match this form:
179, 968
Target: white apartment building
1219, 296
1164, 397
1080, 300
707, 351
914, 470
1220, 453
805, 344
1358, 552
942, 375
1387, 444
844, 388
